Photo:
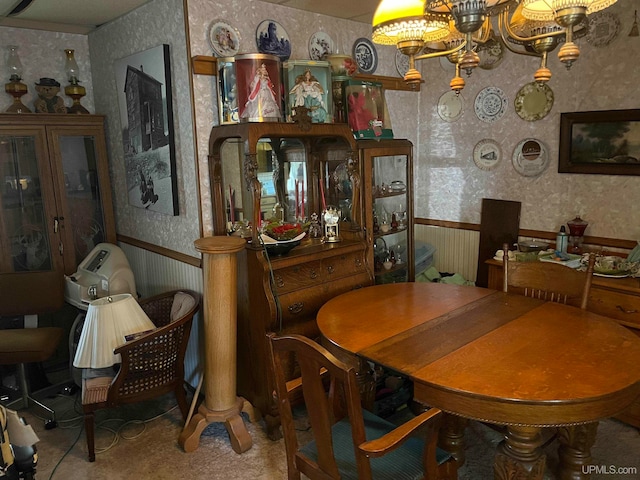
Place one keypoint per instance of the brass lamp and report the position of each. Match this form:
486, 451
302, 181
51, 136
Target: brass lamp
74, 89
15, 87
404, 24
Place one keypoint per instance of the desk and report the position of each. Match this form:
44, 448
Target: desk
500, 358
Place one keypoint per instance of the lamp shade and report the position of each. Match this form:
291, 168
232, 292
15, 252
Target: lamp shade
548, 9
108, 321
395, 21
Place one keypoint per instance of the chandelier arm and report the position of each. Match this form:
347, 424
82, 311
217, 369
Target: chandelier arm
504, 25
441, 54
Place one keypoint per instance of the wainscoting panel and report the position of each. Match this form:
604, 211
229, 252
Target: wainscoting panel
155, 274
456, 249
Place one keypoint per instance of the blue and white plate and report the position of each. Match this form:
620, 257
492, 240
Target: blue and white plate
272, 38
365, 55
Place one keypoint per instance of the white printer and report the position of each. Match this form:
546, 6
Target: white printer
105, 271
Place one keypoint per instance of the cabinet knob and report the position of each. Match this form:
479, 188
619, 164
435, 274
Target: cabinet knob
279, 281
295, 308
330, 268
358, 262
313, 274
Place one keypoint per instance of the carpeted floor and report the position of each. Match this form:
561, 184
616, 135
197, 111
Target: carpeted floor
146, 447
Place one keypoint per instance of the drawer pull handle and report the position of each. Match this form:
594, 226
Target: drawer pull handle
295, 308
279, 281
313, 274
624, 310
358, 262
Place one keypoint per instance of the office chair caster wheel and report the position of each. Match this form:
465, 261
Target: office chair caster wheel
50, 424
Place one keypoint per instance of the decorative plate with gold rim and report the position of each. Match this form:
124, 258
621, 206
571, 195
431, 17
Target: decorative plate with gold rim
450, 106
534, 101
223, 38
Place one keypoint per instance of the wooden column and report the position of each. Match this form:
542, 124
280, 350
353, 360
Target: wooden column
220, 329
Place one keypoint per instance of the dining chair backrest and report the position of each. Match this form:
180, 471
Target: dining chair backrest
348, 441
548, 281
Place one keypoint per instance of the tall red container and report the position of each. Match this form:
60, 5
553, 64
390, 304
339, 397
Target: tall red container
259, 83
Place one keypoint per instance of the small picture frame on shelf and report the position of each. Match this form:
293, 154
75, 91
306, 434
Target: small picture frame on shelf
366, 109
308, 84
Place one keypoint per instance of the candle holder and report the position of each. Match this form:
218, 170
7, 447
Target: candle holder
74, 89
15, 87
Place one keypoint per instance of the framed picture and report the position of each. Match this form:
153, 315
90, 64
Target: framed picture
602, 142
143, 81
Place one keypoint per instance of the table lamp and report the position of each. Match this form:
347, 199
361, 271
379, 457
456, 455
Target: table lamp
109, 320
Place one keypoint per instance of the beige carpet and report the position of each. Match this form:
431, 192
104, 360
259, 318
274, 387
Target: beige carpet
150, 450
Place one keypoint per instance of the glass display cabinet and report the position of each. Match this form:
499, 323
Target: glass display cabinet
387, 167
55, 205
288, 173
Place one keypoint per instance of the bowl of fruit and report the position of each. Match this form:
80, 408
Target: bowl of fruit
279, 238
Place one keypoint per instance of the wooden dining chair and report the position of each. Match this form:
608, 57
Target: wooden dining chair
548, 281
348, 441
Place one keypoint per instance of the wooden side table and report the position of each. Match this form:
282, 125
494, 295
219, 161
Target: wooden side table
220, 327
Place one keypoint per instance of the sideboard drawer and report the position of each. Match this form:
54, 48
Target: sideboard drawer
297, 276
343, 265
623, 307
300, 305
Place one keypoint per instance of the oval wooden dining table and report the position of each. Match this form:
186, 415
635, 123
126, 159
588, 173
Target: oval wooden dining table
495, 357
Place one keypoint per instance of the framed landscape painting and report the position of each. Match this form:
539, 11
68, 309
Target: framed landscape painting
143, 81
601, 142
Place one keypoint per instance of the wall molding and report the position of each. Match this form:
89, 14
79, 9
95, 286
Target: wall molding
178, 256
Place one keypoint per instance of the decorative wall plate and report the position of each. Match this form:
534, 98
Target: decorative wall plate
534, 101
365, 55
450, 106
223, 38
272, 38
402, 63
487, 154
491, 53
320, 44
603, 28
490, 104
530, 157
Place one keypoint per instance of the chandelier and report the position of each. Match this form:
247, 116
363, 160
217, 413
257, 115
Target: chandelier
535, 26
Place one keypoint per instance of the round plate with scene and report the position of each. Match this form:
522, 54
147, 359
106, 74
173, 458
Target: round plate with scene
487, 154
272, 38
365, 55
223, 38
320, 45
530, 157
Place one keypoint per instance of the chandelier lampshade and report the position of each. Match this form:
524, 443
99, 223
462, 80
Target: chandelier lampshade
559, 9
399, 21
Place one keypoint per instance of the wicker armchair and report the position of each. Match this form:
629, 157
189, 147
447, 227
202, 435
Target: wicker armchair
152, 365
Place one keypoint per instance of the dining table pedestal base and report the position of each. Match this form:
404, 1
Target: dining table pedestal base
575, 450
520, 455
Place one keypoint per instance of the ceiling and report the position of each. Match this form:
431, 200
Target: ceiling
83, 16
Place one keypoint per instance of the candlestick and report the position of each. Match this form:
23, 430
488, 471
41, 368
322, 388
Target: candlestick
302, 201
297, 199
324, 205
232, 208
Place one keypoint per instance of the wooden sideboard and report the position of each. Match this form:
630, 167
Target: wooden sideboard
617, 298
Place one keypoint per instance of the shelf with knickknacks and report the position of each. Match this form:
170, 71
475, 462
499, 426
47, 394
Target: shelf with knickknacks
15, 87
74, 89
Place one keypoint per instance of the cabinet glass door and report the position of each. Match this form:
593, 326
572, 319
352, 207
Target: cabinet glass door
388, 203
28, 223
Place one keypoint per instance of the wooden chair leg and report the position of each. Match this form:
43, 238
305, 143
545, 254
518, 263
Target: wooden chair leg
89, 429
181, 397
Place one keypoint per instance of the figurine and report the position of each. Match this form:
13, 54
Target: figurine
48, 100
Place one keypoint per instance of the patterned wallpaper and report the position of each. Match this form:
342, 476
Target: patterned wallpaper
448, 184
